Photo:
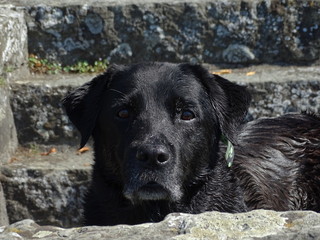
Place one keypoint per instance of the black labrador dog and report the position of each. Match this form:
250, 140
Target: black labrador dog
158, 131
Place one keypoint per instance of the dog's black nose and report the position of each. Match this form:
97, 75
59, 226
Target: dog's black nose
153, 154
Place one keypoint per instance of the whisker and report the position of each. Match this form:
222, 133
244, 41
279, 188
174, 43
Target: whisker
117, 91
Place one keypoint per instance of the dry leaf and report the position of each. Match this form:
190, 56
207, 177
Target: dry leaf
223, 71
250, 73
52, 150
13, 160
83, 150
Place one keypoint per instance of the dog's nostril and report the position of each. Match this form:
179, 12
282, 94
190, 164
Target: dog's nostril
163, 157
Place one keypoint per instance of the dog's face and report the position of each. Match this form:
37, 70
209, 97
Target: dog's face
158, 125
152, 118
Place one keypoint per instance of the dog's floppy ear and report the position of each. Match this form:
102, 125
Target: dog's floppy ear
229, 100
83, 104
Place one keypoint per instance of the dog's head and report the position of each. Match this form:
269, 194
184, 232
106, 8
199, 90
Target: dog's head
156, 126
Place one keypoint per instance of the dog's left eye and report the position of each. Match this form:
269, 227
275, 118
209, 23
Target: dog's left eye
187, 115
123, 113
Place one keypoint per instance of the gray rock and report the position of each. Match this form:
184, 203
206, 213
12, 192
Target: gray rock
13, 41
259, 224
224, 31
236, 53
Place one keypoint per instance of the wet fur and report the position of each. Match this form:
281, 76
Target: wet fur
278, 162
276, 165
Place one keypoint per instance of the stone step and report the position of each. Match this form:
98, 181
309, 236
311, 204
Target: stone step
37, 109
215, 32
47, 187
40, 119
259, 224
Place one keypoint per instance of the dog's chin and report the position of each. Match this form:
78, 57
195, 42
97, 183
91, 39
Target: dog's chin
150, 191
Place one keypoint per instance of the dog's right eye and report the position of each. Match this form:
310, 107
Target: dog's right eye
187, 115
123, 113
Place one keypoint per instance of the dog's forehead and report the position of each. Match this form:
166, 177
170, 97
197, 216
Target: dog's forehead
157, 78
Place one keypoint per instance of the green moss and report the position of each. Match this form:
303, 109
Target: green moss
9, 69
34, 148
38, 65
2, 82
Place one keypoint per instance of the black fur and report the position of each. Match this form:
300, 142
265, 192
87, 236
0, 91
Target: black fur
157, 128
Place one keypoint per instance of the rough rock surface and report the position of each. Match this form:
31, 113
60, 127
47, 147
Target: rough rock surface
39, 116
259, 224
224, 31
13, 41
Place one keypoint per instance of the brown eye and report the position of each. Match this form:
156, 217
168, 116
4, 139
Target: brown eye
187, 115
123, 113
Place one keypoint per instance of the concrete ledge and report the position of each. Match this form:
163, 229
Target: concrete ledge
259, 224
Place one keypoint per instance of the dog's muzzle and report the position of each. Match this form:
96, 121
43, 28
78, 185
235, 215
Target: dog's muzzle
149, 191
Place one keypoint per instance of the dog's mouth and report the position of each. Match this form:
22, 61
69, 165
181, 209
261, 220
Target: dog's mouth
149, 191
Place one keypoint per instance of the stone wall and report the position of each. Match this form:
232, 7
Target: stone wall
219, 32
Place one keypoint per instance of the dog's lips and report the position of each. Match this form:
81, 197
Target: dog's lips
149, 191
152, 191
152, 187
